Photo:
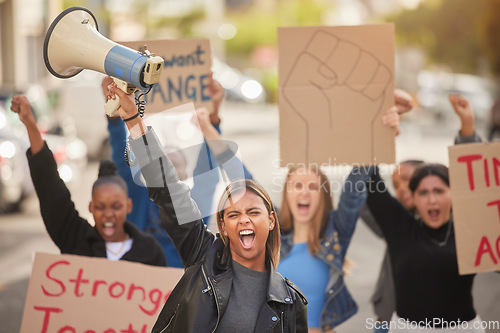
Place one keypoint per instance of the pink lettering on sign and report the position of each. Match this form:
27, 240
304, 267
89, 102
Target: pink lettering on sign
70, 329
492, 203
495, 168
485, 248
148, 301
48, 275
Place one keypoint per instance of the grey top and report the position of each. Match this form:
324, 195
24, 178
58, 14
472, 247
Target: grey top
248, 294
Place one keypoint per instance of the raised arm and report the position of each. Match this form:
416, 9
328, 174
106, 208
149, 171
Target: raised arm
351, 200
354, 189
21, 106
58, 211
463, 109
182, 219
137, 192
214, 153
389, 214
385, 209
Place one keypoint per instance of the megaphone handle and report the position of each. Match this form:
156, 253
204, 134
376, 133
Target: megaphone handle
112, 105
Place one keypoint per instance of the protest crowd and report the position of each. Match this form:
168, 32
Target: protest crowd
246, 263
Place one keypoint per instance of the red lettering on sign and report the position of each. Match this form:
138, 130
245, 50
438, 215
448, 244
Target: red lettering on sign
130, 329
486, 173
133, 288
497, 202
496, 167
46, 318
112, 287
485, 247
156, 299
67, 329
47, 274
469, 159
96, 284
77, 282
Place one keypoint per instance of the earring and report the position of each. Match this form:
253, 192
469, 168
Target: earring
270, 227
225, 233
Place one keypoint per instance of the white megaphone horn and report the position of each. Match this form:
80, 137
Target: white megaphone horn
73, 43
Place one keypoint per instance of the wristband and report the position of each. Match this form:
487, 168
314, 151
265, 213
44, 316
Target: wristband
133, 117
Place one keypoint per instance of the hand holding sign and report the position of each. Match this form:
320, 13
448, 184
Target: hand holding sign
403, 101
475, 184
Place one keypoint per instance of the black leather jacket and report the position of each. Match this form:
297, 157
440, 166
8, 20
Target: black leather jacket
199, 300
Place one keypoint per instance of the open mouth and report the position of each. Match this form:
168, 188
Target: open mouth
303, 208
247, 237
433, 213
108, 229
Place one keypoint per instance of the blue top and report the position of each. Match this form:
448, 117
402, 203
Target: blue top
311, 278
339, 304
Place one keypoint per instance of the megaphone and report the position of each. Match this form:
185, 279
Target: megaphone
73, 43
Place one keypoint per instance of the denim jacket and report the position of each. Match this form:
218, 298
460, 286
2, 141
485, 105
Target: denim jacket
339, 304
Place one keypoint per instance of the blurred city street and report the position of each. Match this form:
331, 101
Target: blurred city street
255, 128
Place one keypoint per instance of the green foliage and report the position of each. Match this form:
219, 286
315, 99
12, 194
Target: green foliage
448, 32
183, 24
256, 28
490, 35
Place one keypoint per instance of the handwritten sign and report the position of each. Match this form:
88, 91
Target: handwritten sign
184, 78
335, 84
69, 293
475, 188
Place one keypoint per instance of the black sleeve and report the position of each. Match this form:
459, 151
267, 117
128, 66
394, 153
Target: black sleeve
389, 214
369, 220
180, 215
61, 219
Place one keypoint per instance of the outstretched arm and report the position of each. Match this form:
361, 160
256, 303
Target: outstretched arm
58, 211
21, 106
354, 190
464, 111
117, 141
214, 152
182, 218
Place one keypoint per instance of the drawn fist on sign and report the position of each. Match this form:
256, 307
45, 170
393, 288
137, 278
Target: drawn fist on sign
343, 82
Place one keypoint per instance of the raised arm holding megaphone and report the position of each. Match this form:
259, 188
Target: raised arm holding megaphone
73, 43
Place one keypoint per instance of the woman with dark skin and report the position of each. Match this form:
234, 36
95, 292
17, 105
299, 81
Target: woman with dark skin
112, 236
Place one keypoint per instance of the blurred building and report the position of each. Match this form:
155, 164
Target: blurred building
23, 24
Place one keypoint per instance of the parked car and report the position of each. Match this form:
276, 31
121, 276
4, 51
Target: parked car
435, 86
238, 86
70, 154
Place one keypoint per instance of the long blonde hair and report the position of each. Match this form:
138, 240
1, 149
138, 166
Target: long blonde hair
320, 218
273, 242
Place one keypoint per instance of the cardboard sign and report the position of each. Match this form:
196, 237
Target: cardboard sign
475, 190
335, 84
184, 77
69, 293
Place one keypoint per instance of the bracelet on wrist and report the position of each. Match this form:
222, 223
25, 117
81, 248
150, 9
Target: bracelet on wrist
133, 117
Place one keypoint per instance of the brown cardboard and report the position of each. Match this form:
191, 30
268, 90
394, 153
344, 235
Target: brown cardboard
84, 294
335, 84
184, 77
475, 190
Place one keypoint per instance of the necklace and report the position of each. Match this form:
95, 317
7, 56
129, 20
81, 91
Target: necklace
121, 247
446, 237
